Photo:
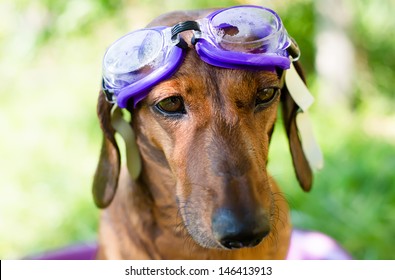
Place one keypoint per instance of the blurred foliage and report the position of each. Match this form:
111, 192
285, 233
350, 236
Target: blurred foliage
353, 197
373, 33
50, 67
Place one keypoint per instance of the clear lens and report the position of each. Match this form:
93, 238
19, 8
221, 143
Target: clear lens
132, 57
247, 29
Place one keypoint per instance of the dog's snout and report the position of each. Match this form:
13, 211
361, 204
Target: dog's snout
234, 231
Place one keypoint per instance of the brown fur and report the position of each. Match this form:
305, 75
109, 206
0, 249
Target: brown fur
213, 157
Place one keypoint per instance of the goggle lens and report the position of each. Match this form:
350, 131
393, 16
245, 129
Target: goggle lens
132, 57
246, 29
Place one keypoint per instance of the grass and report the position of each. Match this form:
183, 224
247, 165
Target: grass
51, 141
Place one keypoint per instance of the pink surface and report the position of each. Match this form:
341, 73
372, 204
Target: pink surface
305, 245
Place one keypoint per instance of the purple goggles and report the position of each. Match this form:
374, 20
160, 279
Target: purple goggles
241, 37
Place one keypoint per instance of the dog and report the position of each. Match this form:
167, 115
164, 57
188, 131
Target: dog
204, 191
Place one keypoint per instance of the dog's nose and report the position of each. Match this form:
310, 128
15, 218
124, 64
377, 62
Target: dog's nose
238, 231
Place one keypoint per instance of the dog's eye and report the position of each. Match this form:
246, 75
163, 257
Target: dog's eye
265, 96
172, 105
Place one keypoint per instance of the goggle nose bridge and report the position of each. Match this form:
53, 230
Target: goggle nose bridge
181, 27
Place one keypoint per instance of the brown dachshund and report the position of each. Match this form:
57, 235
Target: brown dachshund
204, 191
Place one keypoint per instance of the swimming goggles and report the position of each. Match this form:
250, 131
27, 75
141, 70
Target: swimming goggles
240, 37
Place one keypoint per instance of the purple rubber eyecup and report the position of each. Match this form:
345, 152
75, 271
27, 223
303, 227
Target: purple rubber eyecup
244, 37
140, 89
232, 60
137, 62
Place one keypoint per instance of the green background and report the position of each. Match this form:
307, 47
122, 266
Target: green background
50, 69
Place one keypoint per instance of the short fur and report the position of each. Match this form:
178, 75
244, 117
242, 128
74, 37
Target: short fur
215, 157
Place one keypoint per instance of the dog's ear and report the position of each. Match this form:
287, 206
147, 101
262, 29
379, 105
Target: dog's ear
105, 181
289, 111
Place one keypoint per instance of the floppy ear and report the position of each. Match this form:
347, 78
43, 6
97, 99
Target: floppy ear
290, 110
105, 181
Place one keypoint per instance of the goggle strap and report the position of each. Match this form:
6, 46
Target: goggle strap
125, 130
298, 89
303, 98
310, 146
293, 50
109, 95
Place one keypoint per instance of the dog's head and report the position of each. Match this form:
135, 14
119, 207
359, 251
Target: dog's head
209, 129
